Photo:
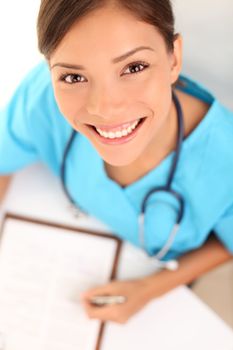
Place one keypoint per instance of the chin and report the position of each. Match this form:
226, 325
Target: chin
119, 161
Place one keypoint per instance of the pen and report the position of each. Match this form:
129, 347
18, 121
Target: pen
102, 300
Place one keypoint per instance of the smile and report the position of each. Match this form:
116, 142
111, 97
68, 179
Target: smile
122, 131
118, 134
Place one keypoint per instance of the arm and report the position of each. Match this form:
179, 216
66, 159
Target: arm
140, 292
4, 183
192, 265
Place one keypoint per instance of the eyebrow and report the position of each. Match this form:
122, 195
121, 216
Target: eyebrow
114, 60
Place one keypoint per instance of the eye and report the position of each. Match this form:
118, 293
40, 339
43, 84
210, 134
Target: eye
70, 78
73, 78
137, 67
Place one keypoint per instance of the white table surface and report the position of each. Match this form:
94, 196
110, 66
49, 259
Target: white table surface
177, 320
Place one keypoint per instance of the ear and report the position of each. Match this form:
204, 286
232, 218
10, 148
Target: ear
176, 58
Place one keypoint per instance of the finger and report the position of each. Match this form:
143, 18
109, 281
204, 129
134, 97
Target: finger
100, 290
104, 313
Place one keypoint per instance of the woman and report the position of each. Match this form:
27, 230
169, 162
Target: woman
112, 74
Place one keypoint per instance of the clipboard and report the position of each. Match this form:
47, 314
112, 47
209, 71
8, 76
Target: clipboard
73, 230
179, 307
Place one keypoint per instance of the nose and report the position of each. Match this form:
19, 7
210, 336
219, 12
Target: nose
104, 101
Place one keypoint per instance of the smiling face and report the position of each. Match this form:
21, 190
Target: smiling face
94, 88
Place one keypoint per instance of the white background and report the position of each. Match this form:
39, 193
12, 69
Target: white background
206, 26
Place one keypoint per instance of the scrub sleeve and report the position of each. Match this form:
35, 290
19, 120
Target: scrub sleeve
16, 146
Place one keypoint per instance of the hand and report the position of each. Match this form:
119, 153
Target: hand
134, 291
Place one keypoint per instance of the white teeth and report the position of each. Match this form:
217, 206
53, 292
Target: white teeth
118, 134
111, 135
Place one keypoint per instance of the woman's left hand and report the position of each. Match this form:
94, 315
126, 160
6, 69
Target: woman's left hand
134, 291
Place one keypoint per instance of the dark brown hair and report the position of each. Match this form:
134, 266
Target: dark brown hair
56, 17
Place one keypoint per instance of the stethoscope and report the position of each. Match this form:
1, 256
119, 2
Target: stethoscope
157, 258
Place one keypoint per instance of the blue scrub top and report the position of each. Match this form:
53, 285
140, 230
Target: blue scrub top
33, 129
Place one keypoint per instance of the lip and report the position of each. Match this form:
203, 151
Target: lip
117, 141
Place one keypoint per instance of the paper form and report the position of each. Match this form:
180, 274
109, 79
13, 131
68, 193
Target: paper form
43, 270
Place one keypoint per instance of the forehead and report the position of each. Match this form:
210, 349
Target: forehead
106, 30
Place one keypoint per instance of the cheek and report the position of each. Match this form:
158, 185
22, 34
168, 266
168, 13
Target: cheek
69, 104
150, 95
157, 95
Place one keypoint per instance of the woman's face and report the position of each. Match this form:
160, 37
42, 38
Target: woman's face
94, 88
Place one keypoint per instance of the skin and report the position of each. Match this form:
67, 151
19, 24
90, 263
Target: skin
4, 184
111, 94
107, 94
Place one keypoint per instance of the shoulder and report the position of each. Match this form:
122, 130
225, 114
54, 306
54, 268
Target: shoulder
216, 156
203, 110
31, 120
223, 120
40, 107
40, 72
208, 147
221, 131
35, 82
37, 87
